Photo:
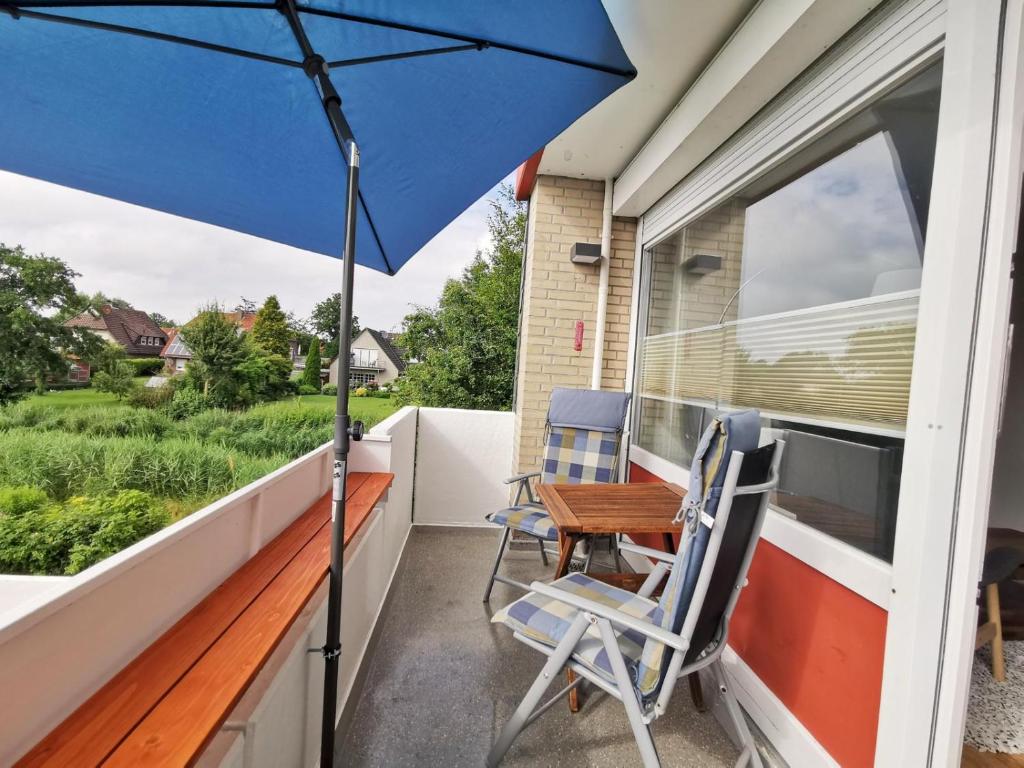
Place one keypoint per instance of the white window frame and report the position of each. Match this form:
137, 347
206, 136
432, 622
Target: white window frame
864, 574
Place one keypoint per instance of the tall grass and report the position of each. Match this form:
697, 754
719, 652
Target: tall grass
101, 421
64, 465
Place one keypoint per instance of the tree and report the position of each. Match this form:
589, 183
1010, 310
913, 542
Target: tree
261, 376
99, 298
463, 350
35, 293
270, 329
217, 349
245, 306
324, 323
311, 374
162, 320
114, 375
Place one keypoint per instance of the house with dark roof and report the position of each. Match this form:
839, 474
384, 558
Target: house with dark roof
375, 358
132, 329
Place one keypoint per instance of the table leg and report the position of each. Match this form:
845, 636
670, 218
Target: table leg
669, 543
566, 546
696, 692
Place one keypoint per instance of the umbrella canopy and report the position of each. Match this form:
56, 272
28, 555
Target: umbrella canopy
245, 114
205, 111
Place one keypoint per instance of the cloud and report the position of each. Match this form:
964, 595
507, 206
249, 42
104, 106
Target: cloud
163, 263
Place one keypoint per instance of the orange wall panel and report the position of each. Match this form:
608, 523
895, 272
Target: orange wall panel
818, 646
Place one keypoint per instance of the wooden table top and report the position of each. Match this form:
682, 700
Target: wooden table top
612, 507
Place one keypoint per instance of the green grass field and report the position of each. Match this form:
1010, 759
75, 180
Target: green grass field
83, 476
369, 410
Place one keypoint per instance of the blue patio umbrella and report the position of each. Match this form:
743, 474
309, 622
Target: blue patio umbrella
256, 116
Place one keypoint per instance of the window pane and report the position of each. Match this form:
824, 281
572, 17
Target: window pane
843, 483
798, 296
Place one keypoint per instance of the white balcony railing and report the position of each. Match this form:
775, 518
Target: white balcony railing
64, 639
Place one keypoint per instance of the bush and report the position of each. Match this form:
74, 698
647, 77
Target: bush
308, 389
329, 389
186, 402
64, 465
360, 392
21, 499
56, 538
151, 397
116, 379
145, 366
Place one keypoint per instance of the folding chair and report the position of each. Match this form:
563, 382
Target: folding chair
582, 438
633, 648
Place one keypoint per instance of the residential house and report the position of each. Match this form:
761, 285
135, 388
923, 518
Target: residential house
132, 329
176, 351
375, 358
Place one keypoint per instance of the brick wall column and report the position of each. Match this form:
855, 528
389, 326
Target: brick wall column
557, 294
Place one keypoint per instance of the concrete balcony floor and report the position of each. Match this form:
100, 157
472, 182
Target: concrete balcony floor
441, 680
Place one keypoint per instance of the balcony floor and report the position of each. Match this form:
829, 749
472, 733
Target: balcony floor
443, 680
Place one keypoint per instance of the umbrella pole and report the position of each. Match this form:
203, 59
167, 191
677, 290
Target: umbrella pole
343, 430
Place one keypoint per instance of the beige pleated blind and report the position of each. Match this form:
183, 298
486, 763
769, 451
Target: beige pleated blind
849, 364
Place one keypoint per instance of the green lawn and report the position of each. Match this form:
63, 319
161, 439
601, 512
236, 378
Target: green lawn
370, 410
72, 398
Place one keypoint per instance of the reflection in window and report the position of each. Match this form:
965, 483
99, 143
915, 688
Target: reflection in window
798, 296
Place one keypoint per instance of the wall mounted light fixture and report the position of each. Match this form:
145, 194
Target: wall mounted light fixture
585, 253
702, 264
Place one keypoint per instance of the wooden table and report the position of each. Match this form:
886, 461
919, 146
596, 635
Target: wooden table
603, 508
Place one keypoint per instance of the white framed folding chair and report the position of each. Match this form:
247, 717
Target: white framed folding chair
582, 440
634, 648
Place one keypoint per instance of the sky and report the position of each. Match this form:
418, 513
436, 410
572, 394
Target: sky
166, 264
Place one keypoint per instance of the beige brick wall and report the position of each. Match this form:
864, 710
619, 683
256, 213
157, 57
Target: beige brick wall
557, 293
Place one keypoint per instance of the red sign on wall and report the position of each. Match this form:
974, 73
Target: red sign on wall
578, 342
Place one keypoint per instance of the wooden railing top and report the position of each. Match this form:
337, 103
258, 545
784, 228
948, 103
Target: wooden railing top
169, 702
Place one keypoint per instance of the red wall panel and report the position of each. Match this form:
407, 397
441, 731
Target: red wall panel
817, 645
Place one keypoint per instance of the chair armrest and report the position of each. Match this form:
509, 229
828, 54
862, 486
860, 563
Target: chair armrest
612, 614
522, 477
654, 554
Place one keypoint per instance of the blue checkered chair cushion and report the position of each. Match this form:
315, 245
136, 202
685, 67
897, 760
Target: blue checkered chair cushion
579, 456
546, 621
529, 518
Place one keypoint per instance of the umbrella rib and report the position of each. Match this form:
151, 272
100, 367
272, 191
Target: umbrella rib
483, 42
405, 55
146, 3
17, 11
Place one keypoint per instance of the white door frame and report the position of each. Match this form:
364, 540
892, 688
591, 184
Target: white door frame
985, 403
955, 390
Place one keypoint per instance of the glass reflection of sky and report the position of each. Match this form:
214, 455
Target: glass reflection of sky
841, 232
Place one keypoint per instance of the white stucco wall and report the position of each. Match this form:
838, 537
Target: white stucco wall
462, 459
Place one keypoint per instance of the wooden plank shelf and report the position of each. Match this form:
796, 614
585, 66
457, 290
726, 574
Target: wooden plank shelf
169, 702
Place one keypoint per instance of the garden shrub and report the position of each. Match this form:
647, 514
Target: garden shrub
65, 538
151, 397
186, 402
18, 500
360, 392
329, 389
308, 389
